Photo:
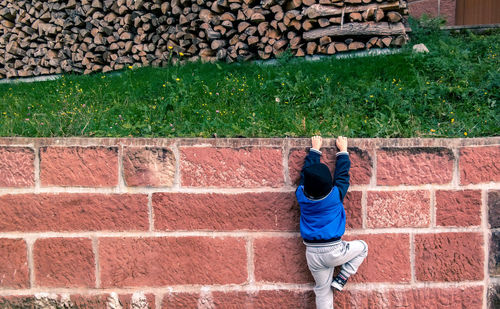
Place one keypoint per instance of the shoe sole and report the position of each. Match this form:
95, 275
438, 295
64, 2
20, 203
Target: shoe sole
337, 286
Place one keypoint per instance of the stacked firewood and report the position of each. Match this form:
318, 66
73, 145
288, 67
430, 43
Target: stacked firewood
55, 36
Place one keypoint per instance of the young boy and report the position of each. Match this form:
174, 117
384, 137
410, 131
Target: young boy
323, 219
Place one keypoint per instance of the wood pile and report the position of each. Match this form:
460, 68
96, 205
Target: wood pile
56, 36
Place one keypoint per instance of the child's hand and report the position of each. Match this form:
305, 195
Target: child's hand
316, 142
342, 143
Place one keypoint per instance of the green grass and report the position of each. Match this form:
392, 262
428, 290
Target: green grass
451, 92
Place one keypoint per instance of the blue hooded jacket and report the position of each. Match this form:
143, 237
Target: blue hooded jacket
325, 218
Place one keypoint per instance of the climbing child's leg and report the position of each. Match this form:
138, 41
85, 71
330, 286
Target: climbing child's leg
354, 253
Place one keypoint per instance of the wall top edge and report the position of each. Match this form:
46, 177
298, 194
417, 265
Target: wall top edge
246, 142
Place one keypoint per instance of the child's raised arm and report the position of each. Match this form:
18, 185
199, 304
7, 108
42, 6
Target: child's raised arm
342, 165
313, 157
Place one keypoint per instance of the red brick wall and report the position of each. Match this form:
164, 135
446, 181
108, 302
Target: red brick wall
434, 8
213, 223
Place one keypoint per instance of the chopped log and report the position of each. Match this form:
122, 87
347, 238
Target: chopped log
330, 50
253, 40
293, 4
371, 42
387, 41
243, 26
311, 48
257, 17
356, 45
325, 40
394, 17
340, 47
368, 14
295, 42
355, 29
323, 22
307, 25
308, 2
379, 15
322, 10
353, 17
399, 41
228, 16
300, 53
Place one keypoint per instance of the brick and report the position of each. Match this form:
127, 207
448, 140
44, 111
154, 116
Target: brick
388, 258
447, 9
162, 261
13, 264
94, 301
73, 212
352, 206
414, 166
17, 167
246, 211
449, 257
361, 164
229, 167
264, 299
79, 166
39, 300
414, 298
494, 260
494, 296
180, 301
64, 262
279, 259
494, 209
419, 8
458, 208
398, 209
479, 164
148, 166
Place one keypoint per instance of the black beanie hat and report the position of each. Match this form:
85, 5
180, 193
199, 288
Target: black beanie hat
317, 181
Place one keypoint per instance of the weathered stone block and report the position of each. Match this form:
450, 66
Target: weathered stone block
449, 257
228, 167
450, 298
146, 166
281, 260
388, 258
458, 208
494, 261
73, 212
479, 164
414, 166
494, 209
352, 206
17, 167
158, 261
64, 262
79, 166
13, 264
245, 211
398, 209
182, 300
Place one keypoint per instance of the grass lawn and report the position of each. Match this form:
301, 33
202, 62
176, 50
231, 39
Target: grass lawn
451, 92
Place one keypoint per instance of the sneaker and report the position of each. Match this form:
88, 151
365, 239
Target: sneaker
339, 282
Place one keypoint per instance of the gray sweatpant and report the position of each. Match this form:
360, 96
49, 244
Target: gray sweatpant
322, 260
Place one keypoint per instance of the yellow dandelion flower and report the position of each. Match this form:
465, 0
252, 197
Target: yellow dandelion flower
130, 67
181, 54
170, 47
452, 120
178, 79
164, 85
432, 130
465, 133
